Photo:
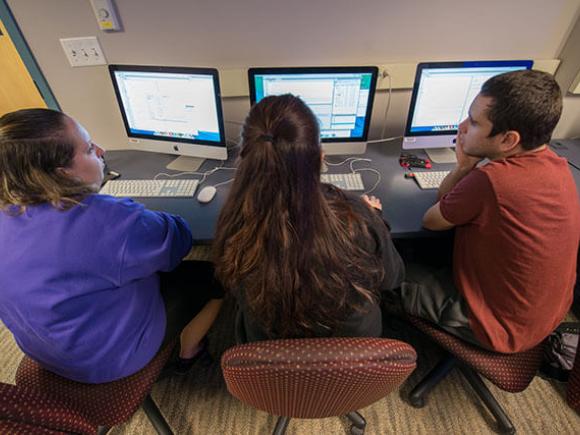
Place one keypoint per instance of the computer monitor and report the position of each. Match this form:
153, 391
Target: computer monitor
174, 110
340, 97
442, 94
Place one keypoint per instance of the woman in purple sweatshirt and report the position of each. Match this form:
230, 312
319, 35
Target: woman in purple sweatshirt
80, 281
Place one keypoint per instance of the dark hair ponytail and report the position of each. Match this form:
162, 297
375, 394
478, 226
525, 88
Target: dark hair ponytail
292, 253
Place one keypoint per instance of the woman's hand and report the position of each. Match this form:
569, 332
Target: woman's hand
372, 201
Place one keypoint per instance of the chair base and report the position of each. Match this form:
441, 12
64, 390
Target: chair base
419, 394
418, 397
358, 424
155, 416
504, 423
281, 426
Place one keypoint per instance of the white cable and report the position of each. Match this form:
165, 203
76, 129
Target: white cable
387, 139
178, 174
353, 170
223, 182
340, 163
378, 178
388, 105
203, 175
357, 160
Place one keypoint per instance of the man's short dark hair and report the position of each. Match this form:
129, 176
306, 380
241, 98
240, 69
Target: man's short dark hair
529, 102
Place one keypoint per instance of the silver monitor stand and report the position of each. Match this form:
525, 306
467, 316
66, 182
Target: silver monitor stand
185, 164
441, 155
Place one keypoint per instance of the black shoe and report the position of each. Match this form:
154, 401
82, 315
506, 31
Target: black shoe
183, 365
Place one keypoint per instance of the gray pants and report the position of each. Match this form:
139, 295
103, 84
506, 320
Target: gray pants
430, 294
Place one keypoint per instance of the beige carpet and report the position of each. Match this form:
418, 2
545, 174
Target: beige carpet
200, 404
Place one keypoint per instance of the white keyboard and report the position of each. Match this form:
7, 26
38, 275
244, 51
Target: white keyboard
430, 179
149, 188
350, 181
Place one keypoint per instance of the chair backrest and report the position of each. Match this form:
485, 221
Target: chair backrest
316, 377
25, 410
106, 404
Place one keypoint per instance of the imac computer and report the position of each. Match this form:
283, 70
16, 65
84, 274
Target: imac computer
340, 97
173, 110
442, 94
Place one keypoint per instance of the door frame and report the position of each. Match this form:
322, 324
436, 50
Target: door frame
26, 55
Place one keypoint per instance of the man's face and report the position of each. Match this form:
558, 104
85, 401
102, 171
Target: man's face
473, 132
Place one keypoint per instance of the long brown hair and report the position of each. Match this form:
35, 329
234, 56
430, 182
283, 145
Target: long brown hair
290, 250
33, 145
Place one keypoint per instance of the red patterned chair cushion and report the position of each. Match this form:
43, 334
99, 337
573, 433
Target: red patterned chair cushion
316, 377
27, 411
105, 404
510, 372
18, 428
573, 392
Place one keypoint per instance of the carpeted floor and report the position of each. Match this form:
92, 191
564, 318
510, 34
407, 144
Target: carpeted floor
199, 402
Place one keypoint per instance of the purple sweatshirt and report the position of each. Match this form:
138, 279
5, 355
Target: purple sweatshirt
79, 288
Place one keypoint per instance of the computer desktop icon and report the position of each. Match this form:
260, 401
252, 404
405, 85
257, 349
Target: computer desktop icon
442, 94
340, 97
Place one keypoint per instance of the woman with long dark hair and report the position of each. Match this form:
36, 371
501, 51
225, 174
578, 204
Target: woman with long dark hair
303, 258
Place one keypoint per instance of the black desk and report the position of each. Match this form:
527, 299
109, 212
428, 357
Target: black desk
568, 148
403, 202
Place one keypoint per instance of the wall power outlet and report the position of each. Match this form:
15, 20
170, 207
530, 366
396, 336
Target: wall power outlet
84, 51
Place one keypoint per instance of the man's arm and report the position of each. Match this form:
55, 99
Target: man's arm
465, 163
434, 220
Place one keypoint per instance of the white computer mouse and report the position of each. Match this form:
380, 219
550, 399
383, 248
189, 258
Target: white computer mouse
206, 194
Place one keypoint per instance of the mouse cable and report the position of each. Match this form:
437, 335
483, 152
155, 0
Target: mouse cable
223, 182
340, 163
353, 170
358, 160
204, 175
377, 182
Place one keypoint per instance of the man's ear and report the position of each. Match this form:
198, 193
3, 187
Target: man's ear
510, 141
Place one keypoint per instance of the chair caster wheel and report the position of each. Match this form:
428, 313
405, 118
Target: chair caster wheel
356, 430
417, 401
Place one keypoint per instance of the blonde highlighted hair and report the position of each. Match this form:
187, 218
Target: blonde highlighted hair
33, 146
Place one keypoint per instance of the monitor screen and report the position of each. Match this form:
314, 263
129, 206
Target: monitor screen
340, 97
443, 92
175, 107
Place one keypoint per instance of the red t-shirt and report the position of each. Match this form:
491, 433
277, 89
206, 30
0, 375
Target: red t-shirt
516, 245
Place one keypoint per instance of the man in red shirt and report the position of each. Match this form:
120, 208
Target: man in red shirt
517, 221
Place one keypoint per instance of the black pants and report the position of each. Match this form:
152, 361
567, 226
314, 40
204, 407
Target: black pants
185, 291
430, 293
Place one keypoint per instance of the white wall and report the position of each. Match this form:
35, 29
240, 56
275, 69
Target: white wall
230, 34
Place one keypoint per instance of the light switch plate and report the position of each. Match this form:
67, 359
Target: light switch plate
84, 51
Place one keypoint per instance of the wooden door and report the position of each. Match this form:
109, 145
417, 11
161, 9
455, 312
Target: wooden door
17, 89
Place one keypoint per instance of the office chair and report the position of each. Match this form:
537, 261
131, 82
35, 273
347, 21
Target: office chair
27, 411
573, 390
510, 372
316, 377
108, 404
